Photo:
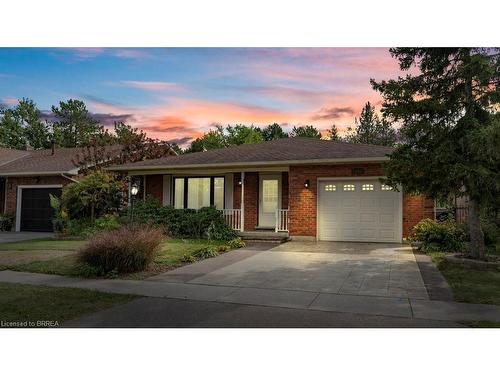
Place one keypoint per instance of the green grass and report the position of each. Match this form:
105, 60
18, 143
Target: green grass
169, 256
43, 244
470, 285
172, 250
20, 303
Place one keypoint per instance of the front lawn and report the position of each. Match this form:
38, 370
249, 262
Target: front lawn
32, 303
469, 285
61, 256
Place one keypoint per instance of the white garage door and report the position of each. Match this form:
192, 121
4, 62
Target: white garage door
359, 210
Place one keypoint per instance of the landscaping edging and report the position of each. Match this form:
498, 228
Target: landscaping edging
435, 283
472, 263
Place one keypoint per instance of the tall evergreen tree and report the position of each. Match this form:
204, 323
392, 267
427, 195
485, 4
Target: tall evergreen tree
21, 126
370, 129
448, 111
333, 133
75, 126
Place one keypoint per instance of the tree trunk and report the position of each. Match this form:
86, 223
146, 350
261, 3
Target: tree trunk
476, 233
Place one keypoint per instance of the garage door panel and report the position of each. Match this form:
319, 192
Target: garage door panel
36, 213
359, 214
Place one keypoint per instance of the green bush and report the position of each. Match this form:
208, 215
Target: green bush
207, 222
6, 222
127, 249
236, 243
92, 196
188, 258
206, 252
440, 236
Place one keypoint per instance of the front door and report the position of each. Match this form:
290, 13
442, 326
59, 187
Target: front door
269, 199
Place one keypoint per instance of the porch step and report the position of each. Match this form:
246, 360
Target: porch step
264, 236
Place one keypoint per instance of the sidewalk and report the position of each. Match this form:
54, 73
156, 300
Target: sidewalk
381, 306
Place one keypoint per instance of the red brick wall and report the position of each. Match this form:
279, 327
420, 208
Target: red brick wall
154, 186
13, 182
303, 201
415, 208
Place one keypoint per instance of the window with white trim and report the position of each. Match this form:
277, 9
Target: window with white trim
385, 187
367, 187
349, 187
198, 192
330, 187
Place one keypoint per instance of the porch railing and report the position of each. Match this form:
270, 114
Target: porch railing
281, 221
232, 217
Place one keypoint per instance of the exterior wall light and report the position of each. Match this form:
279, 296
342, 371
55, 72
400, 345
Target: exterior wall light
306, 184
240, 182
134, 190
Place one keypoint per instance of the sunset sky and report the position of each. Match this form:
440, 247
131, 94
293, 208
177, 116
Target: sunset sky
178, 93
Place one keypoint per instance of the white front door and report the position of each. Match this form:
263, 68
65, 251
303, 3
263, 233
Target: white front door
269, 199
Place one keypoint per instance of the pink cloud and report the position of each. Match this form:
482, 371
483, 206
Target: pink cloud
10, 100
152, 85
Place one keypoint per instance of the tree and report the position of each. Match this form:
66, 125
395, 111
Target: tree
75, 126
305, 131
371, 129
333, 134
211, 140
21, 127
242, 134
273, 131
93, 195
130, 145
448, 111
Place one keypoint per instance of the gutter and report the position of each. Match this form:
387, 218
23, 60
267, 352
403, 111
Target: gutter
255, 163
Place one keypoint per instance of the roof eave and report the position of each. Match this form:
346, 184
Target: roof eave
37, 173
377, 159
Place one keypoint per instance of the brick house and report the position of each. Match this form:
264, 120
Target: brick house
28, 177
307, 188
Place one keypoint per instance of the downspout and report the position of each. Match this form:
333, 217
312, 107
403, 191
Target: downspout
69, 178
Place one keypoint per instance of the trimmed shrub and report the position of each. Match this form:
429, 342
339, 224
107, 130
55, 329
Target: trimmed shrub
207, 222
6, 222
236, 243
440, 236
127, 249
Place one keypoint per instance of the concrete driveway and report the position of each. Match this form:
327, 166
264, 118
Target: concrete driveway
363, 269
21, 236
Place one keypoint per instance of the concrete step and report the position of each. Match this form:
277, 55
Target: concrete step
264, 236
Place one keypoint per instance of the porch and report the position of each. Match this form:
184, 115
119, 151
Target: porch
250, 201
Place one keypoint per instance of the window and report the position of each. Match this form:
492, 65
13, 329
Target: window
179, 193
330, 187
349, 187
198, 192
384, 187
367, 187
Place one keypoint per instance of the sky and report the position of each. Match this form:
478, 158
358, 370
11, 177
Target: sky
177, 94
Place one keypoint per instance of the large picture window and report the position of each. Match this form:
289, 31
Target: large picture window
198, 192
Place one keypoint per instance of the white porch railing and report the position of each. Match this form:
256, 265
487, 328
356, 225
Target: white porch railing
281, 221
232, 217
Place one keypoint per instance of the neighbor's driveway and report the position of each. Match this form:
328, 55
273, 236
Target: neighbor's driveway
365, 269
21, 236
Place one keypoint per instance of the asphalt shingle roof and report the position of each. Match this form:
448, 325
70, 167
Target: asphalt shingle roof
14, 162
276, 151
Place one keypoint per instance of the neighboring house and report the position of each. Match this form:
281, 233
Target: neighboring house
310, 188
28, 177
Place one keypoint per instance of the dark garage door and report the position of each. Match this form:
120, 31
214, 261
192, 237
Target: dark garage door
36, 213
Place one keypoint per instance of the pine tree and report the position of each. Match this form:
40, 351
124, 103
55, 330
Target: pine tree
448, 111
